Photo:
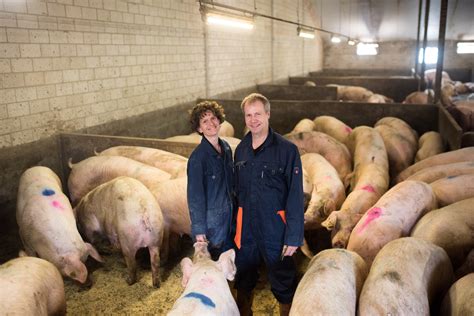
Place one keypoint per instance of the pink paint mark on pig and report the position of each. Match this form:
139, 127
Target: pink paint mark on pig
56, 204
348, 129
368, 188
207, 282
372, 214
327, 177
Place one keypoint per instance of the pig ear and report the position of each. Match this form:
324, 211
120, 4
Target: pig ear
186, 269
93, 253
331, 221
226, 263
74, 269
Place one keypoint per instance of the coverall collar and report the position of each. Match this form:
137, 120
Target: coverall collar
268, 141
209, 148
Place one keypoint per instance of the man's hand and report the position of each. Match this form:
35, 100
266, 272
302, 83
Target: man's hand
201, 238
288, 251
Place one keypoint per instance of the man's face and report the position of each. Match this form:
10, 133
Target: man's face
209, 124
256, 119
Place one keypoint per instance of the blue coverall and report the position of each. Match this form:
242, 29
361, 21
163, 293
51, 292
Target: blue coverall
209, 192
269, 190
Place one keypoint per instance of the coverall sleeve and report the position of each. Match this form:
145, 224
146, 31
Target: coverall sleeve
196, 196
294, 204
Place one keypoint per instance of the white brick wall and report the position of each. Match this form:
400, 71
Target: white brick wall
70, 64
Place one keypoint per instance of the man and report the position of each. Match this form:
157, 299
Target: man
270, 217
210, 177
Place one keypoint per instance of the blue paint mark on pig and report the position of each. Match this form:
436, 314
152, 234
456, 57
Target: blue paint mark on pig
48, 192
203, 298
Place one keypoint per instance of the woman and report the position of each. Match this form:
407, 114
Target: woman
210, 178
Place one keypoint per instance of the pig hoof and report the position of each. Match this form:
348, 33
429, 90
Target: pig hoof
131, 280
156, 283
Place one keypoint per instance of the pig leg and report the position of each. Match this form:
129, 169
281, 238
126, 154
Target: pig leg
155, 264
165, 246
129, 255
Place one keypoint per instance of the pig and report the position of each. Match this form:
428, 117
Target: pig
333, 127
305, 125
369, 182
430, 77
323, 144
372, 184
47, 226
463, 113
126, 212
400, 150
461, 88
226, 130
172, 198
402, 127
337, 274
309, 83
452, 189
378, 98
457, 237
206, 289
407, 276
418, 97
93, 171
459, 300
434, 173
429, 144
328, 190
352, 93
392, 217
463, 154
172, 163
31, 286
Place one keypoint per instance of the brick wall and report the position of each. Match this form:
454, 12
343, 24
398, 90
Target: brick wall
72, 64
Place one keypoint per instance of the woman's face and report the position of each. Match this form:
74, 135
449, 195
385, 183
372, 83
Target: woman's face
209, 124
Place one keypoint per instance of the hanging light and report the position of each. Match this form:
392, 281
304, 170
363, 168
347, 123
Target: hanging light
335, 39
305, 32
215, 17
351, 42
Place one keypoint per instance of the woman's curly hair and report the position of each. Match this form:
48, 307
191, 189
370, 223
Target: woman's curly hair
201, 108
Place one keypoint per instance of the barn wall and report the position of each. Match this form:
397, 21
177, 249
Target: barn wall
399, 55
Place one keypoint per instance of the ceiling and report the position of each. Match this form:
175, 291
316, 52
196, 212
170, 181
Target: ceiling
392, 20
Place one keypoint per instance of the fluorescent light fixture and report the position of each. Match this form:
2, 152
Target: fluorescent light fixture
335, 39
431, 56
229, 20
465, 48
367, 49
306, 33
351, 42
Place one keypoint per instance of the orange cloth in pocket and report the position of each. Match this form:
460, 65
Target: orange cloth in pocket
282, 214
238, 230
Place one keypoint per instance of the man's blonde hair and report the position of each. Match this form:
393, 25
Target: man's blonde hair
256, 97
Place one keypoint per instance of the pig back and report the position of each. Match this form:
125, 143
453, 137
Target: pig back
406, 277
31, 286
337, 274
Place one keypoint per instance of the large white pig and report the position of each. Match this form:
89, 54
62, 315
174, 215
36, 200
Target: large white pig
206, 289
31, 286
333, 127
352, 93
451, 228
331, 285
334, 151
328, 190
392, 217
407, 276
460, 155
305, 125
47, 225
126, 212
369, 182
459, 301
434, 173
93, 171
453, 189
172, 163
429, 144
